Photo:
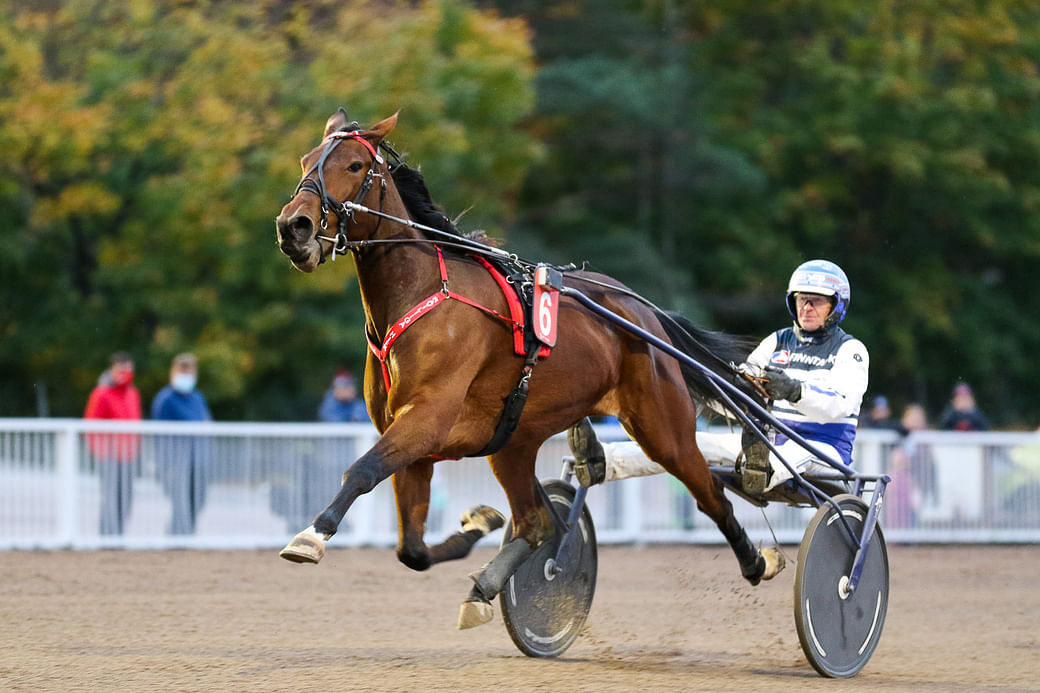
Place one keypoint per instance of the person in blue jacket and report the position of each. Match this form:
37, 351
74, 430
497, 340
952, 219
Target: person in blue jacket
183, 460
316, 480
341, 403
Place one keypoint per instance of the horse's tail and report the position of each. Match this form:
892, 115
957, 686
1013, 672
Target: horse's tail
717, 351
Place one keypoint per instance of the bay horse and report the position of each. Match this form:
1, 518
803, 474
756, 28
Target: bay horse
435, 386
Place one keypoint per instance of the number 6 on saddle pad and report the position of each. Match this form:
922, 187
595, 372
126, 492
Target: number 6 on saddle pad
547, 285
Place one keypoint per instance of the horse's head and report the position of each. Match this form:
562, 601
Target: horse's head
342, 169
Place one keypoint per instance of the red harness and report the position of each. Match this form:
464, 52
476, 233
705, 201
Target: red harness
515, 317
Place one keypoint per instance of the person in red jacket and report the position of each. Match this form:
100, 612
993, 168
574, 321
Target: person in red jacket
115, 397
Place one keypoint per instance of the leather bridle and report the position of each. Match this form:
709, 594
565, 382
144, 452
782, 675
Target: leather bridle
344, 211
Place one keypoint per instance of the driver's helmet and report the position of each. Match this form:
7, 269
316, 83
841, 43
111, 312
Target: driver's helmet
820, 277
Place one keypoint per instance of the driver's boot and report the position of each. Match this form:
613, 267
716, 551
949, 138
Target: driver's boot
756, 470
590, 462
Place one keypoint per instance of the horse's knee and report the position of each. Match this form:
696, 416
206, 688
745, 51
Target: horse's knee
364, 475
416, 558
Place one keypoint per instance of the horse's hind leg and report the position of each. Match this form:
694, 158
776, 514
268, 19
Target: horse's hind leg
681, 458
514, 468
692, 469
755, 565
412, 491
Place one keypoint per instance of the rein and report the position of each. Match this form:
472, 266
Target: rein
479, 248
456, 241
346, 210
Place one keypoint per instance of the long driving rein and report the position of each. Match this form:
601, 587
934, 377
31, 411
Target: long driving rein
346, 209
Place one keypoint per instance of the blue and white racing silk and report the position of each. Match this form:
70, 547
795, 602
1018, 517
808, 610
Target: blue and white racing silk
832, 366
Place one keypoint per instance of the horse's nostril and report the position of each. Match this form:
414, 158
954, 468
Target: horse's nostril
301, 227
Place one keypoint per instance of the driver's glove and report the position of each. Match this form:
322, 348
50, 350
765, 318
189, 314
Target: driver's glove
779, 385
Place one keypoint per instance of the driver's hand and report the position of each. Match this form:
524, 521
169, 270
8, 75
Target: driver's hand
779, 385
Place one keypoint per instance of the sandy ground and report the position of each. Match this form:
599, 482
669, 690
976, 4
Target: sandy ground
663, 618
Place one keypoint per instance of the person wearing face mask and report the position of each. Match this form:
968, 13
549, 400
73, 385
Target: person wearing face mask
183, 461
814, 373
115, 454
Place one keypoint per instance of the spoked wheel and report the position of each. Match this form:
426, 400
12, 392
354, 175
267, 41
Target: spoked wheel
544, 605
839, 631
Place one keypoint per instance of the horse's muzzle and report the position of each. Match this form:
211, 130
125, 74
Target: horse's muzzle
296, 239
298, 229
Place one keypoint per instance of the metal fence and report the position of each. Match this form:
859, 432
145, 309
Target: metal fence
254, 485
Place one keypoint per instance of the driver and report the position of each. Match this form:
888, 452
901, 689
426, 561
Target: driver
815, 374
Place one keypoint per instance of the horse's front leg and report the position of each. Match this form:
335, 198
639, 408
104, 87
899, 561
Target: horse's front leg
410, 438
412, 492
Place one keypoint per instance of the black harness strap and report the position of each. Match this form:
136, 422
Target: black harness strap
514, 407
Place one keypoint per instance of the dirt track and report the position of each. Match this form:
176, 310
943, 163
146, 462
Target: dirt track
664, 618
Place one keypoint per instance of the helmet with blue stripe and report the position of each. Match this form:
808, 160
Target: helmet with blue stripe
820, 277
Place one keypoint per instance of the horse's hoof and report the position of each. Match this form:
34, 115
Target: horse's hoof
775, 562
483, 518
475, 613
306, 547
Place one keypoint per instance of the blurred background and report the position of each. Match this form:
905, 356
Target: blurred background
696, 150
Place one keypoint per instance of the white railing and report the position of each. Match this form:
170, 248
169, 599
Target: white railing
264, 482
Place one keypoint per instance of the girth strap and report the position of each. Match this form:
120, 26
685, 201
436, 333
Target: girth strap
514, 407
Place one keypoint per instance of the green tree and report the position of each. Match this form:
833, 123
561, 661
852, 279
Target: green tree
148, 146
901, 140
700, 151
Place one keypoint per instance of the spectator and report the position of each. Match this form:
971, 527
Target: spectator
183, 461
115, 454
921, 464
316, 480
341, 402
914, 419
880, 415
903, 498
961, 414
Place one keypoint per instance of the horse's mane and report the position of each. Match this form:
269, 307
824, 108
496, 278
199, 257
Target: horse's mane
417, 199
421, 207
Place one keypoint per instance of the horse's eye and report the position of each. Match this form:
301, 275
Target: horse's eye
355, 167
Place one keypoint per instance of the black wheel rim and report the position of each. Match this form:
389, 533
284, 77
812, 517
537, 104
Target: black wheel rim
839, 631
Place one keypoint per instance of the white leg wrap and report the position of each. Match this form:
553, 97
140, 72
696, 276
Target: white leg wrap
626, 460
797, 456
719, 448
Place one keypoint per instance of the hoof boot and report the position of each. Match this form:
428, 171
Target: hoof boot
475, 613
306, 547
775, 562
483, 518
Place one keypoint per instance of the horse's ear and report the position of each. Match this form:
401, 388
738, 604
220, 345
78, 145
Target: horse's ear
336, 122
377, 132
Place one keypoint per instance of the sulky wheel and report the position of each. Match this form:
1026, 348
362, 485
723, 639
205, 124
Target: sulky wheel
544, 605
839, 631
